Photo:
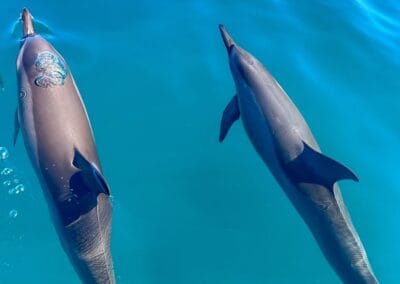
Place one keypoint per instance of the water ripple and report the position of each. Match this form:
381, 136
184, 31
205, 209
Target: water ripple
41, 27
380, 23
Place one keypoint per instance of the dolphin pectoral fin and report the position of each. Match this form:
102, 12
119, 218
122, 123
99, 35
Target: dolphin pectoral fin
16, 127
230, 115
314, 167
91, 174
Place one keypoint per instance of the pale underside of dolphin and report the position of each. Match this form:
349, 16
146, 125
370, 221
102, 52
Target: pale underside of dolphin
284, 141
59, 141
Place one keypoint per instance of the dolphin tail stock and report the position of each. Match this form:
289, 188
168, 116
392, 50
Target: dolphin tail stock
91, 174
27, 23
314, 167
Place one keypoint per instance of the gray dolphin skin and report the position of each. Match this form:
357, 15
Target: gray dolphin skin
59, 141
284, 141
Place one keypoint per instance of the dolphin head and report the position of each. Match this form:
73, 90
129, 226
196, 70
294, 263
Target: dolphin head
37, 54
29, 37
243, 65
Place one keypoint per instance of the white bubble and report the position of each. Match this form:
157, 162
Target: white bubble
7, 182
3, 153
17, 189
13, 213
6, 171
20, 187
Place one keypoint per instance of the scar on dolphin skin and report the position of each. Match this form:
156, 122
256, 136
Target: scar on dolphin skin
51, 69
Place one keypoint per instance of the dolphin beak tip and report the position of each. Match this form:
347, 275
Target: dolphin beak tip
26, 19
228, 41
25, 13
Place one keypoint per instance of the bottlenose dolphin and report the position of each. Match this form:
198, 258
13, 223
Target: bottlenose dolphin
284, 141
59, 141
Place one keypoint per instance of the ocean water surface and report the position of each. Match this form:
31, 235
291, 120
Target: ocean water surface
155, 79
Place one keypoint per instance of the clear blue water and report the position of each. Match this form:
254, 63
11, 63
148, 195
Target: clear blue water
155, 78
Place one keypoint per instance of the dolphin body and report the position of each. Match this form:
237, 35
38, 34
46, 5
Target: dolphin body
284, 141
59, 140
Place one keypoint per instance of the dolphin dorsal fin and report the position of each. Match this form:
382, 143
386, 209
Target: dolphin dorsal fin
230, 115
314, 167
97, 182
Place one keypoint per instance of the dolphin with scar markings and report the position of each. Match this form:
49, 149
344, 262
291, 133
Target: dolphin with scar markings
284, 141
60, 144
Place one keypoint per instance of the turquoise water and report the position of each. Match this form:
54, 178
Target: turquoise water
154, 76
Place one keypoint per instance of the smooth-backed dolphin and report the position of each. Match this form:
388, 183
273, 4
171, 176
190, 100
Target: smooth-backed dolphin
59, 141
284, 141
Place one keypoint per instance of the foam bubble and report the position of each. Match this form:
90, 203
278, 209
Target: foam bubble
3, 153
13, 213
6, 171
17, 189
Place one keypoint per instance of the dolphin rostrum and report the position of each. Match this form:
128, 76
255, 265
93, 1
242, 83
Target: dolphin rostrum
284, 141
59, 141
